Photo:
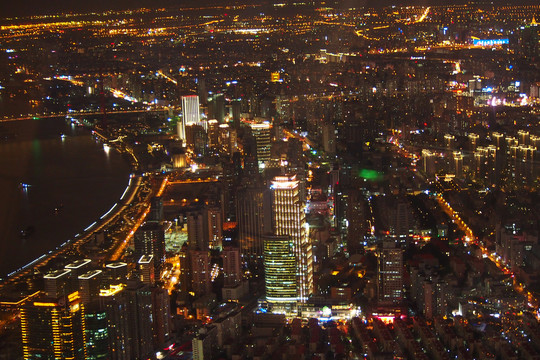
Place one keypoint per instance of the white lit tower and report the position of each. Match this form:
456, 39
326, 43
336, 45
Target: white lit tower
190, 114
290, 219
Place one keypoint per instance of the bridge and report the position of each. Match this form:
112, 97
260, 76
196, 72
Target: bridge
80, 113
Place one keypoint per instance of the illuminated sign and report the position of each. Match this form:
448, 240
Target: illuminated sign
490, 42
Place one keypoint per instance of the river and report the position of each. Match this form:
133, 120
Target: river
73, 181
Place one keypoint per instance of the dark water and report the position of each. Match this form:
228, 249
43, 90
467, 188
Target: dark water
75, 175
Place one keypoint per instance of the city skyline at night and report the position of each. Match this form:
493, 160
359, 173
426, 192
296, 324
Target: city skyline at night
270, 180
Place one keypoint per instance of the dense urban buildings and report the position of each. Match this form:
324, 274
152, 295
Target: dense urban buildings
322, 180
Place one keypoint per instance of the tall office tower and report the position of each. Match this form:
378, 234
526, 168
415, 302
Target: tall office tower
473, 141
140, 322
190, 114
114, 301
190, 109
200, 272
290, 219
156, 209
356, 218
236, 111
201, 90
280, 271
57, 283
96, 333
261, 132
449, 141
146, 269
184, 278
389, 273
161, 314
224, 140
196, 232
116, 273
196, 138
214, 227
53, 329
251, 217
213, 134
401, 219
216, 107
89, 284
429, 162
232, 267
149, 239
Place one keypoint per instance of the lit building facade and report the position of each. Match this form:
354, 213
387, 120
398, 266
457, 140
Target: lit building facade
390, 274
51, 330
190, 114
280, 271
290, 220
261, 132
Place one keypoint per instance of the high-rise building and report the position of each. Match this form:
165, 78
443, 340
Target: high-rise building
89, 284
146, 269
116, 273
458, 164
250, 215
149, 239
190, 109
140, 321
356, 218
196, 231
216, 107
213, 134
113, 301
200, 272
57, 283
473, 141
290, 220
429, 162
261, 132
96, 333
161, 314
214, 223
280, 271
449, 141
156, 209
389, 273
54, 328
232, 267
190, 114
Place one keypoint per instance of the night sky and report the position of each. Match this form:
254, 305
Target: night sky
10, 8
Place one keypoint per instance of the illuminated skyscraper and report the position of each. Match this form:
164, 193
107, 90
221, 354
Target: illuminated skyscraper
146, 269
290, 220
149, 239
54, 329
261, 132
389, 274
190, 109
280, 271
190, 114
